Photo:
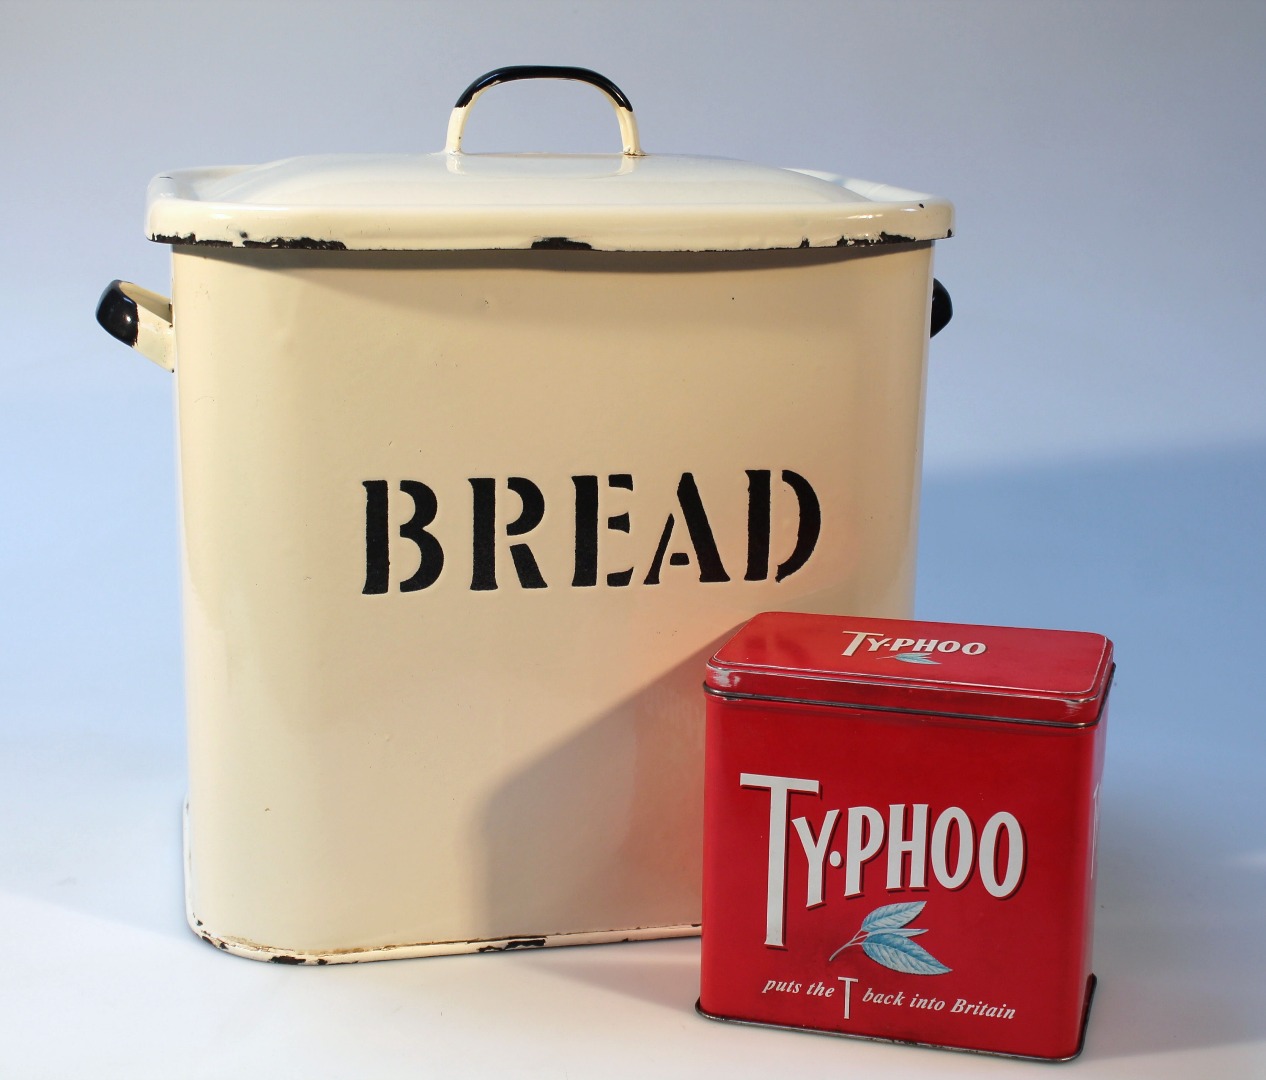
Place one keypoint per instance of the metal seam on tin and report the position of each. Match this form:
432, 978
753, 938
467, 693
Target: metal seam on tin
732, 696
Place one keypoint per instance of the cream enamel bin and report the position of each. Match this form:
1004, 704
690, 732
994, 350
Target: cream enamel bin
481, 457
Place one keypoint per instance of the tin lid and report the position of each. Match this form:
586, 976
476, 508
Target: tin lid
452, 200
1055, 677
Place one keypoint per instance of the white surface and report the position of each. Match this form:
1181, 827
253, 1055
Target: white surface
1096, 460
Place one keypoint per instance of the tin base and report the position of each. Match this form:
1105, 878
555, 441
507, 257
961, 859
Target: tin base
253, 950
1081, 1040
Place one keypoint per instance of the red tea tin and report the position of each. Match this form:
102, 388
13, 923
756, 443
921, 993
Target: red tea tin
900, 830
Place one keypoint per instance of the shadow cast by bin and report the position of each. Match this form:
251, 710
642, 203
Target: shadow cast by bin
604, 831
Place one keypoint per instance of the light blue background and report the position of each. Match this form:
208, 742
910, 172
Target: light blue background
1095, 459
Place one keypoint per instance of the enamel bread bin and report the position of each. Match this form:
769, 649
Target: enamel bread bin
482, 456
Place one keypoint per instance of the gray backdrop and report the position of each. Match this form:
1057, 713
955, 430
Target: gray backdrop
1096, 450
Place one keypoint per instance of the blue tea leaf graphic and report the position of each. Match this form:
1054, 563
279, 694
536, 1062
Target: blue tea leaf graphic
891, 916
915, 658
899, 953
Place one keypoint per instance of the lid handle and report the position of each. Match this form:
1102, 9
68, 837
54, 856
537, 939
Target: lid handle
623, 110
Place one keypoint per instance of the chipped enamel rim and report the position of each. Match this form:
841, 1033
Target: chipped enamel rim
455, 201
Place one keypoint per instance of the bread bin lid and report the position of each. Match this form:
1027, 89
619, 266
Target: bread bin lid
452, 200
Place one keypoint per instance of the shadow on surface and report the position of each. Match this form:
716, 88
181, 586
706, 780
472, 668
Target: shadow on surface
1164, 555
658, 972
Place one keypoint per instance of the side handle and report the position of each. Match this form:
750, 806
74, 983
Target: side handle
139, 318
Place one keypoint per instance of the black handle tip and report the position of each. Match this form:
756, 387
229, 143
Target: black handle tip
118, 315
942, 308
543, 71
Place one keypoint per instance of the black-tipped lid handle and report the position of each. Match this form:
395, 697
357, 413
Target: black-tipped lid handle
514, 73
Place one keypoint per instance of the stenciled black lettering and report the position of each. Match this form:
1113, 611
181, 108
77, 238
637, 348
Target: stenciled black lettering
619, 523
377, 545
532, 515
809, 528
491, 535
586, 563
483, 576
701, 539
431, 554
758, 500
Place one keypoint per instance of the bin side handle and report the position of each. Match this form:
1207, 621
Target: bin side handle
942, 308
139, 318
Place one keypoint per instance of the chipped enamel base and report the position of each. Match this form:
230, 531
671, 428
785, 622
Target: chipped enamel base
252, 950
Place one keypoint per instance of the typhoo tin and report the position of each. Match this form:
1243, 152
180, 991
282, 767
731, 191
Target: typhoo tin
900, 830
